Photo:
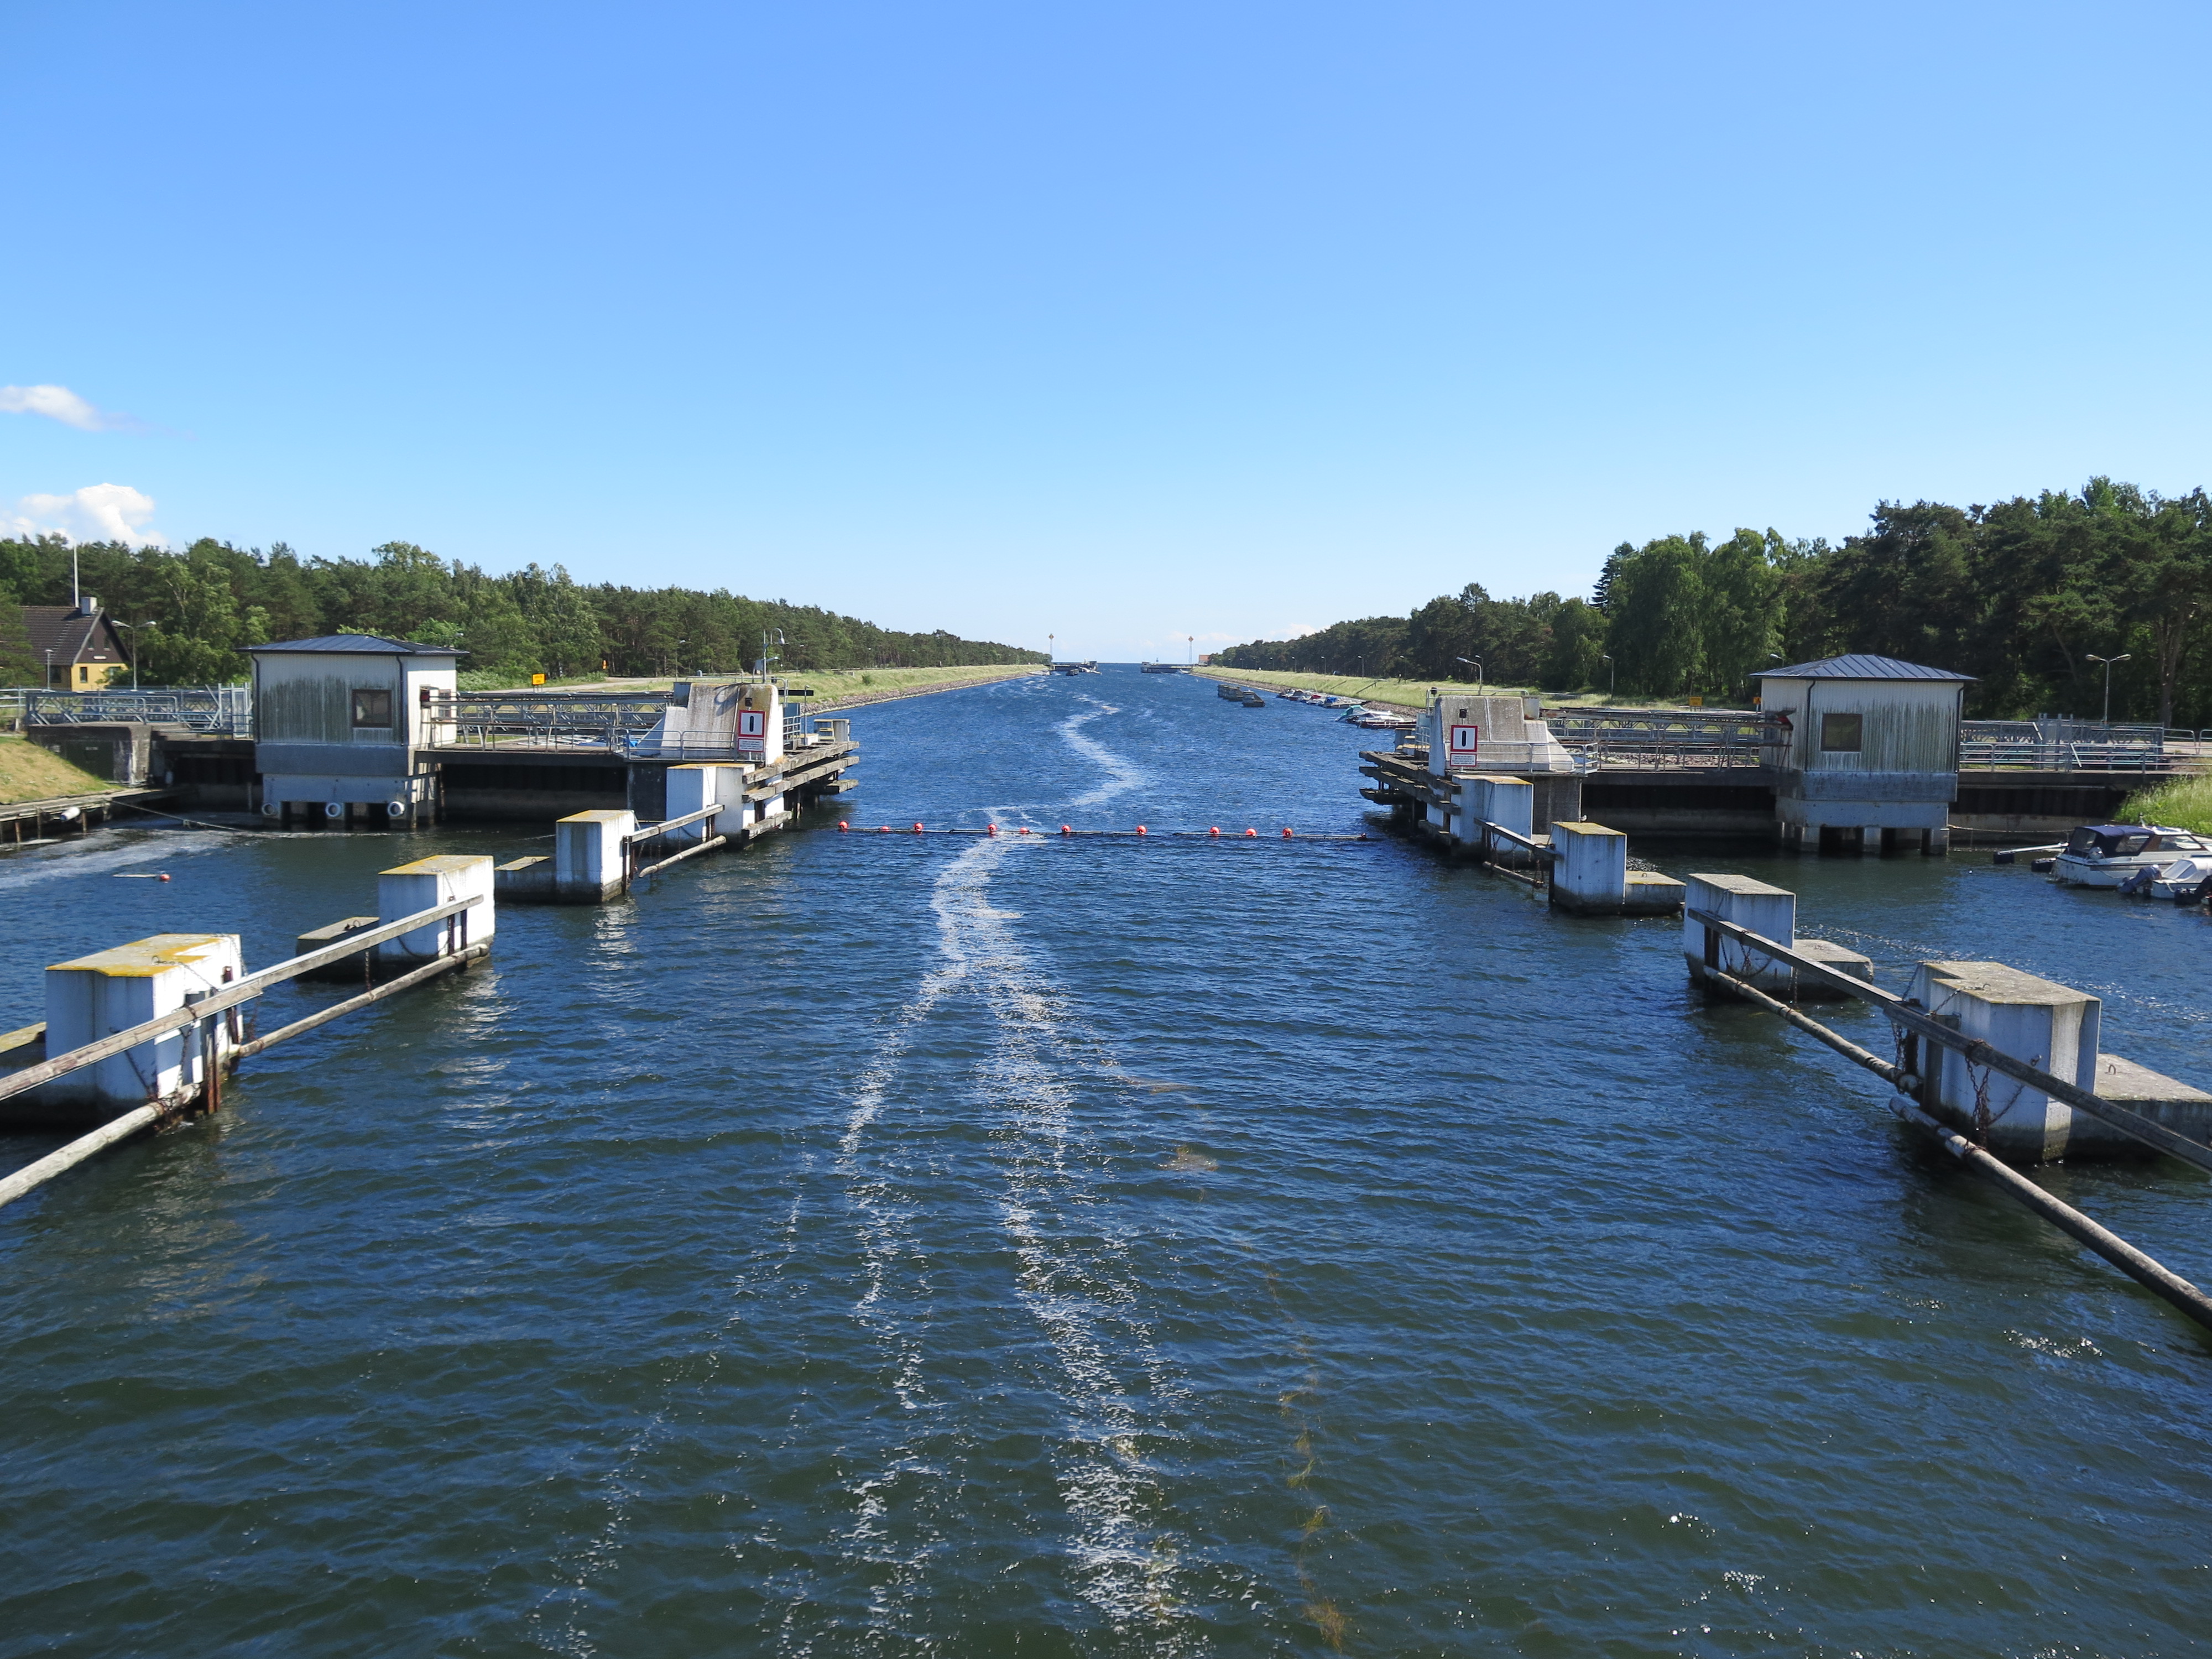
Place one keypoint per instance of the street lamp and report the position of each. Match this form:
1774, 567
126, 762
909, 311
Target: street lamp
1475, 663
134, 628
2124, 656
1610, 671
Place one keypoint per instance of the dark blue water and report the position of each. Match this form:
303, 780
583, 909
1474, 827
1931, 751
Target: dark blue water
867, 1244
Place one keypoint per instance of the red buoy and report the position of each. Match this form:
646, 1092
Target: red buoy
883, 828
990, 828
1215, 831
1251, 832
1140, 829
917, 828
1286, 835
1024, 830
843, 828
1064, 830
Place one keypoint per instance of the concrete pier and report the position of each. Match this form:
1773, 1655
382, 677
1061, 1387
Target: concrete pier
694, 787
424, 885
1590, 876
1771, 913
114, 990
590, 854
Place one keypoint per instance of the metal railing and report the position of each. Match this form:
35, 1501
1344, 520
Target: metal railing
2071, 745
220, 710
610, 722
1669, 737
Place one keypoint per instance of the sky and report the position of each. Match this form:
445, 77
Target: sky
1119, 325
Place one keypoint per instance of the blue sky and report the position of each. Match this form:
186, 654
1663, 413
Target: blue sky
1114, 323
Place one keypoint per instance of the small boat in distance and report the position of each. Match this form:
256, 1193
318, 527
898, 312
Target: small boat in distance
2106, 854
2184, 881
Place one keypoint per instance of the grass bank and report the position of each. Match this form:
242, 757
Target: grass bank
2186, 804
30, 773
1414, 695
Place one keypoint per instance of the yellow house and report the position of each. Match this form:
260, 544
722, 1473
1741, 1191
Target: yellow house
78, 649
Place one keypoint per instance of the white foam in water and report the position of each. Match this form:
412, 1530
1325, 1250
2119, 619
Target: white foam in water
1122, 774
1081, 1295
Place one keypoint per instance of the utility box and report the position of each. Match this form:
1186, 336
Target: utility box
1872, 752
111, 991
343, 721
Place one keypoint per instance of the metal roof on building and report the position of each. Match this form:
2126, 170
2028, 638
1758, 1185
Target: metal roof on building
374, 644
1859, 667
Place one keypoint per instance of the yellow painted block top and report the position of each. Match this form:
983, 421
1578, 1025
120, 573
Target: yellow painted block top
603, 815
444, 863
1586, 829
142, 958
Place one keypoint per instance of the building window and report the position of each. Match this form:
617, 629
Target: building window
1842, 735
372, 708
84, 675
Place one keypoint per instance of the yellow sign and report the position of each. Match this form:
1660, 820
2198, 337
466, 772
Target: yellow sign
1695, 702
537, 679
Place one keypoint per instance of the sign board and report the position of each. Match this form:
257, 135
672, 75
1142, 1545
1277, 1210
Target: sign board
537, 679
1463, 740
752, 731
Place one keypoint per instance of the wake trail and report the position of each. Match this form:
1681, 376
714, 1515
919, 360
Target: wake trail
1122, 774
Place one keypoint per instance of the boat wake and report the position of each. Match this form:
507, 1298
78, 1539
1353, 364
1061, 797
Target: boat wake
1122, 774
1073, 1279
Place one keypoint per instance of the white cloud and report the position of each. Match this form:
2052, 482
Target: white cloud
57, 402
97, 513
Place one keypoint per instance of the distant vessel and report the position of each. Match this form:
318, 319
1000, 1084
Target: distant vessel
1164, 668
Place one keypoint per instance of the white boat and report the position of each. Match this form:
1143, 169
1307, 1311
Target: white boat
2106, 854
2182, 881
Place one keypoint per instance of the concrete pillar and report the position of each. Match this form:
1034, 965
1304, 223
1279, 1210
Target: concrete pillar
1768, 911
2049, 1026
588, 855
1590, 874
694, 787
423, 886
1488, 798
111, 991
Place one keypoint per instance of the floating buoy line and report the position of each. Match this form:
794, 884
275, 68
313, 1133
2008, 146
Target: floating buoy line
1141, 832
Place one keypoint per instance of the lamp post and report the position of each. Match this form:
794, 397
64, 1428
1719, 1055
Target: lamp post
1610, 671
2124, 656
133, 627
1475, 663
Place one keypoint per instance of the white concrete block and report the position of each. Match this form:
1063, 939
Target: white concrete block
2049, 1026
1591, 870
425, 884
1770, 912
111, 991
694, 788
588, 866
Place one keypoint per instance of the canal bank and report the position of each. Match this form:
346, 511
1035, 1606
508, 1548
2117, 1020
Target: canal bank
1125, 1246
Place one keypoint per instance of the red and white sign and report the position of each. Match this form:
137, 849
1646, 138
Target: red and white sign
752, 731
1463, 738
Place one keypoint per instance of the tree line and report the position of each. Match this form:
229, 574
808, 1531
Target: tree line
191, 613
2026, 596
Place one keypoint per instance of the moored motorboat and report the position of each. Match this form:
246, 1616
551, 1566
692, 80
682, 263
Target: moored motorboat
2184, 881
2106, 854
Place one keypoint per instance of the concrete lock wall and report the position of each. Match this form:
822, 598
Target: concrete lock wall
588, 855
423, 886
1460, 726
694, 787
1770, 912
2049, 1026
111, 991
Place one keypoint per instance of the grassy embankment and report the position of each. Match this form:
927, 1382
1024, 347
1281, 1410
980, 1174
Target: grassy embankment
1414, 695
2186, 804
30, 773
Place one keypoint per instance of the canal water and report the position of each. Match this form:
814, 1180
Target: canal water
871, 1244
